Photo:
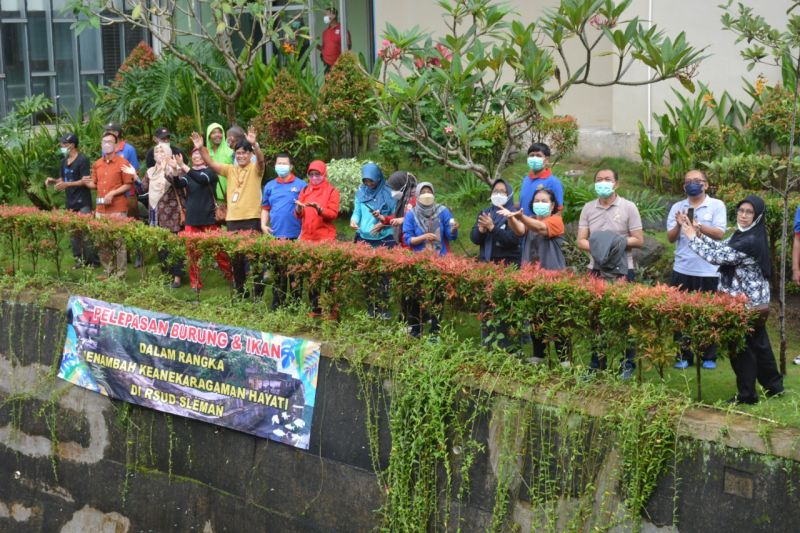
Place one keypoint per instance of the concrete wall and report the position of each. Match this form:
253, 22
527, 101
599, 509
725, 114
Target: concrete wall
609, 116
72, 460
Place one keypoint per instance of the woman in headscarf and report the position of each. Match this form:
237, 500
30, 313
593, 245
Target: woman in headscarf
427, 227
542, 236
745, 267
403, 187
317, 208
200, 182
165, 202
374, 201
498, 244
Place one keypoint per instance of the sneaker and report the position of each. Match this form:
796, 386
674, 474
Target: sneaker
683, 364
565, 364
175, 285
536, 360
627, 373
796, 360
771, 393
709, 365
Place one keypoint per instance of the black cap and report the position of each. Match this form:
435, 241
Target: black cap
162, 133
114, 126
69, 138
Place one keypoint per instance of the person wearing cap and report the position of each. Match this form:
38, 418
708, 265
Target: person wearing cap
317, 208
112, 176
539, 177
123, 148
162, 135
331, 47
74, 171
243, 197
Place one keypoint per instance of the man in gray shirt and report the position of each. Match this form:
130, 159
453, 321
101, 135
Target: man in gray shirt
610, 212
690, 271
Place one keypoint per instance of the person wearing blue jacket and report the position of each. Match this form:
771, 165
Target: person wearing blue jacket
373, 202
428, 226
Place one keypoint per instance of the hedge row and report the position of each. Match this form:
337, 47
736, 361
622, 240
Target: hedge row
556, 304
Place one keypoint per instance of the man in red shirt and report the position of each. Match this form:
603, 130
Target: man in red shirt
332, 39
112, 176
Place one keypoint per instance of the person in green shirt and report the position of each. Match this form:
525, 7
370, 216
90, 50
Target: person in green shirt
220, 152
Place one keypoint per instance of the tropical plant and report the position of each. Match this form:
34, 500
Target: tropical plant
345, 106
345, 175
486, 63
237, 31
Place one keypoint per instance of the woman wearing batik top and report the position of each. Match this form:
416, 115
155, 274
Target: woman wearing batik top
745, 267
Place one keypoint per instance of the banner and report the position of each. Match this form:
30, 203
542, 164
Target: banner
247, 380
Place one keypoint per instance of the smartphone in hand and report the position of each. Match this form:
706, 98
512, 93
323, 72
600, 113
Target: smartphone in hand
690, 215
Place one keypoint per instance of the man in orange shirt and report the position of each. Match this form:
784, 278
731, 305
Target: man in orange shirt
112, 176
332, 39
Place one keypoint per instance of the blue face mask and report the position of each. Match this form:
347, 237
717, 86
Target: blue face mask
282, 170
535, 163
604, 189
693, 189
541, 209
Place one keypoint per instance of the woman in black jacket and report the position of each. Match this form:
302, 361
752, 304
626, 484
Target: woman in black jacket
499, 244
200, 182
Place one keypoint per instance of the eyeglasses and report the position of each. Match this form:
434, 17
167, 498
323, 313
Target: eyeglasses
743, 211
697, 181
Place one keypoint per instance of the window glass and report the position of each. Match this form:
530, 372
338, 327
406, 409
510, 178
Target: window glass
14, 48
65, 68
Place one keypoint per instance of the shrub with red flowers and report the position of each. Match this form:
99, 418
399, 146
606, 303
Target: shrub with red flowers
556, 304
140, 57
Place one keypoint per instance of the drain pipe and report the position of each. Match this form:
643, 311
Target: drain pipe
649, 74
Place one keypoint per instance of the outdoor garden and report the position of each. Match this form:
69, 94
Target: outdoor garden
457, 110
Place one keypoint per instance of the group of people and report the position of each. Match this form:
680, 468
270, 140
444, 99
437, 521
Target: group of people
223, 176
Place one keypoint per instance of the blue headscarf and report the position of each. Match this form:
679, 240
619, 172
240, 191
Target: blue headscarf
497, 218
379, 198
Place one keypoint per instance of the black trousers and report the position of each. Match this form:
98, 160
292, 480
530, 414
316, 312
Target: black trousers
756, 362
239, 261
284, 285
689, 283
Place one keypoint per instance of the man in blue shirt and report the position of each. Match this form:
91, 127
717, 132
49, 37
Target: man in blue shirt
690, 271
539, 177
278, 219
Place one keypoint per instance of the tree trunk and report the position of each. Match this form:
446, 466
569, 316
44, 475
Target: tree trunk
782, 289
230, 109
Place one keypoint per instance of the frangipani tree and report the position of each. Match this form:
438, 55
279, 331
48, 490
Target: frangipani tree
237, 30
489, 64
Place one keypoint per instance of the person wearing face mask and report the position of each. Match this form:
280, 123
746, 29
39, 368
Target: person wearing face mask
610, 216
428, 227
745, 266
278, 220
112, 176
374, 202
402, 188
317, 208
498, 244
243, 198
690, 271
74, 171
331, 47
539, 177
497, 240
199, 181
543, 236
218, 149
165, 202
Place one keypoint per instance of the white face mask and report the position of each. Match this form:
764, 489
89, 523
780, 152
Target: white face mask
499, 200
326, 19
751, 226
396, 195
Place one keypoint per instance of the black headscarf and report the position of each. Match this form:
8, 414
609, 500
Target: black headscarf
752, 241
